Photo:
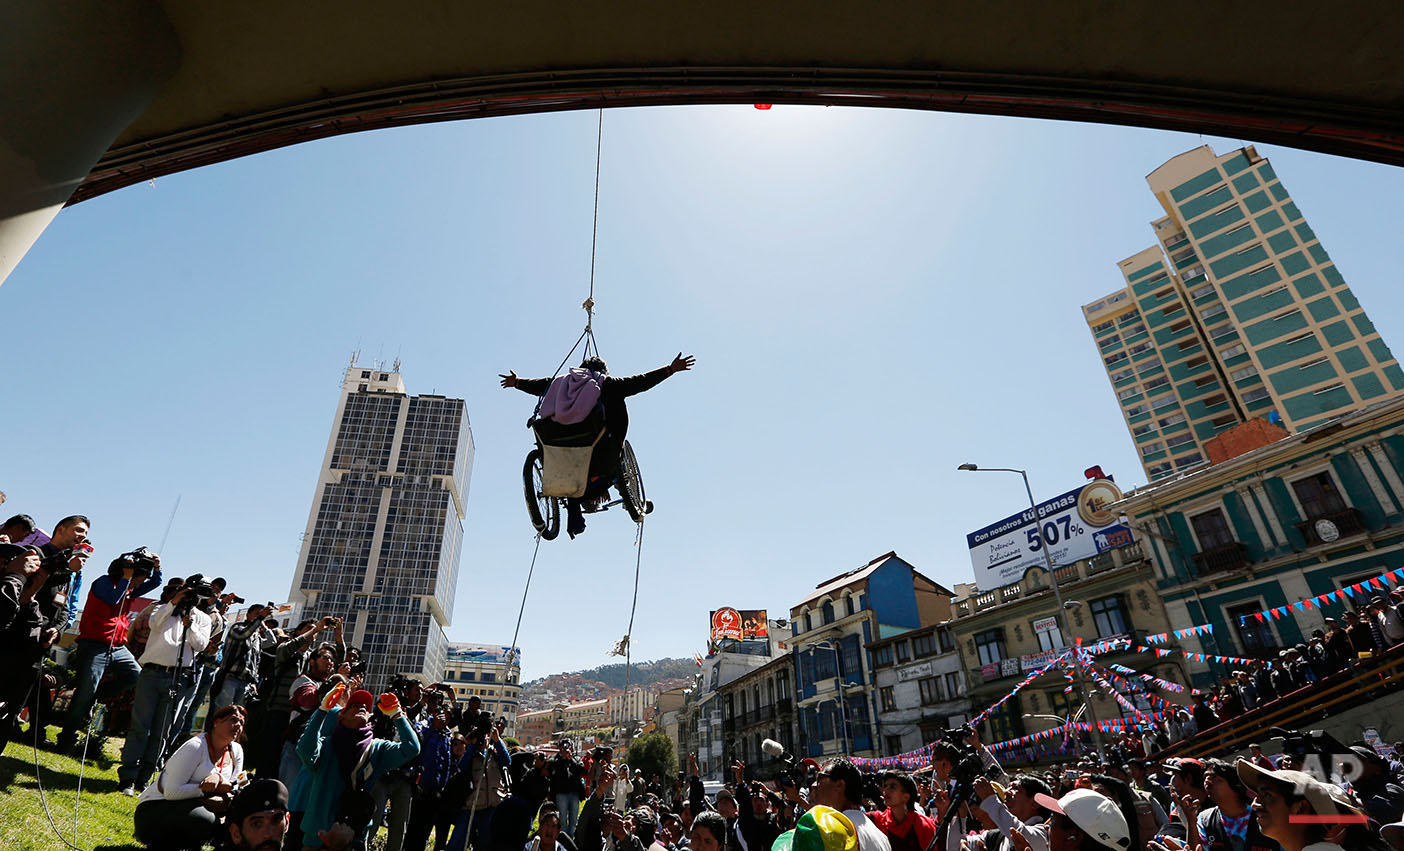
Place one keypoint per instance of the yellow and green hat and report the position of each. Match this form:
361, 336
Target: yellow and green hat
820, 829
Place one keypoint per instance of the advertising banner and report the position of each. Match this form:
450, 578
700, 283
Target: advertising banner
1076, 525
739, 624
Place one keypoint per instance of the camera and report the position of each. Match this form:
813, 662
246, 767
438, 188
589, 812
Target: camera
237, 599
602, 754
359, 668
197, 594
58, 564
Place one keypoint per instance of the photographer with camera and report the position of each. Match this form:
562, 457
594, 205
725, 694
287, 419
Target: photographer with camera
236, 684
488, 765
216, 605
102, 636
396, 787
567, 786
754, 820
165, 684
290, 658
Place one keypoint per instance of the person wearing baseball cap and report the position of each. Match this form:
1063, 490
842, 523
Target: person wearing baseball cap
1083, 820
258, 816
1287, 799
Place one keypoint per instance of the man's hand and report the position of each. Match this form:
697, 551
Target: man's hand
33, 584
973, 739
942, 800
336, 838
983, 788
679, 364
692, 765
738, 771
210, 785
510, 379
49, 637
1018, 840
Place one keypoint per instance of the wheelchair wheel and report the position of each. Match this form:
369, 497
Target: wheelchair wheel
631, 488
545, 511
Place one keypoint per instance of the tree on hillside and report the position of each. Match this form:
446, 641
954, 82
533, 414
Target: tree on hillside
653, 755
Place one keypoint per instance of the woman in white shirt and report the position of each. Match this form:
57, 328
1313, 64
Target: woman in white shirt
183, 807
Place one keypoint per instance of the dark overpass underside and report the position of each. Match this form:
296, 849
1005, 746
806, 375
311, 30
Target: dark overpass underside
252, 76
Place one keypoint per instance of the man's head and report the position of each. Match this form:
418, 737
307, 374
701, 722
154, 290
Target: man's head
258, 816
18, 528
357, 714
944, 756
726, 803
71, 530
475, 703
548, 825
594, 363
839, 785
1021, 796
672, 828
1225, 788
321, 663
898, 791
645, 824
1283, 795
1255, 749
1084, 820
1187, 777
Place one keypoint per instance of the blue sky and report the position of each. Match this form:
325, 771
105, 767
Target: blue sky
873, 297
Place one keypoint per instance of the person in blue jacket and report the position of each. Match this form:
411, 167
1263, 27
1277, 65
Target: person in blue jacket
341, 761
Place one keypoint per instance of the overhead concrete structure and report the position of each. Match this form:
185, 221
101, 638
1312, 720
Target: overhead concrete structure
238, 78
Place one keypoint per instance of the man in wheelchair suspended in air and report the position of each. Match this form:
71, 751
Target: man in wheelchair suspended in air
590, 390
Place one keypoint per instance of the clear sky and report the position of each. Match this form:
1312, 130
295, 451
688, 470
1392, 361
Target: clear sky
873, 297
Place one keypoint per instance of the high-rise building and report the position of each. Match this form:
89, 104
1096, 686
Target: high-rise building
1236, 313
490, 672
382, 542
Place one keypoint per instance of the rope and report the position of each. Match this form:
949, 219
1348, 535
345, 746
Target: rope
629, 636
595, 226
38, 728
512, 648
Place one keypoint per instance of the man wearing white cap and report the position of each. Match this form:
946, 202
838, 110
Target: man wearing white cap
1083, 820
1285, 802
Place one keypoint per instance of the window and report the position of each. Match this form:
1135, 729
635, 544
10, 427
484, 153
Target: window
828, 610
1149, 364
1110, 341
1318, 495
848, 605
1151, 449
808, 625
1157, 383
1105, 326
904, 651
1222, 331
882, 656
1109, 615
1128, 393
889, 702
924, 645
384, 377
1173, 419
954, 687
1138, 348
489, 677
1136, 410
1122, 375
990, 646
1224, 421
1135, 329
1211, 311
1180, 256
1233, 351
365, 373
930, 690
1114, 359
1201, 291
1197, 360
1255, 394
1179, 440
1049, 639
1246, 372
1188, 461
1255, 638
1216, 399
1143, 428
1163, 402
1211, 529
1204, 382
1179, 326
947, 643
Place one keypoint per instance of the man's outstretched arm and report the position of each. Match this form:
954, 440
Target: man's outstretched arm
632, 384
534, 386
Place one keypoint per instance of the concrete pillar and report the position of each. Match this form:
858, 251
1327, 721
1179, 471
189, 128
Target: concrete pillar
75, 75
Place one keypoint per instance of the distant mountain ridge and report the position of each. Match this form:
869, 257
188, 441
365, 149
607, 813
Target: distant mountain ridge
606, 680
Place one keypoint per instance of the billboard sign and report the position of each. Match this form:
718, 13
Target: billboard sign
1076, 525
739, 624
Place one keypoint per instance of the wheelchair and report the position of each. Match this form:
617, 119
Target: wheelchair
559, 468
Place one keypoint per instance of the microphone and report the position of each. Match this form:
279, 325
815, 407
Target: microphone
772, 748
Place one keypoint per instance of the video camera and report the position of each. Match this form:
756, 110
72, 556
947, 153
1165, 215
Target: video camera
966, 764
199, 594
58, 564
792, 772
1299, 744
140, 561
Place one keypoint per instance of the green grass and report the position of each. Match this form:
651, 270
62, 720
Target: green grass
104, 816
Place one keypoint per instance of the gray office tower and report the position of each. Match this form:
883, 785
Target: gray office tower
383, 539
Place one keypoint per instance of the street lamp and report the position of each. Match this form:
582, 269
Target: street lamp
838, 688
1063, 631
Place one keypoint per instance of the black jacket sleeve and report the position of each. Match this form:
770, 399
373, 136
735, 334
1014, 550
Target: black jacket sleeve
697, 796
587, 831
534, 386
632, 384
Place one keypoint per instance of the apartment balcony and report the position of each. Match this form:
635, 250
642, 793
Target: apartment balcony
1345, 522
784, 706
1221, 559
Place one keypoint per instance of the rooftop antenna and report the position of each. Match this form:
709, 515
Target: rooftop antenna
169, 522
355, 355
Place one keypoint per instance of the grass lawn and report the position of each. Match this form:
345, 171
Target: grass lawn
104, 817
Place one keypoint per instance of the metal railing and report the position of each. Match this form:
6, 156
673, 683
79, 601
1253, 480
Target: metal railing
1221, 559
1347, 522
